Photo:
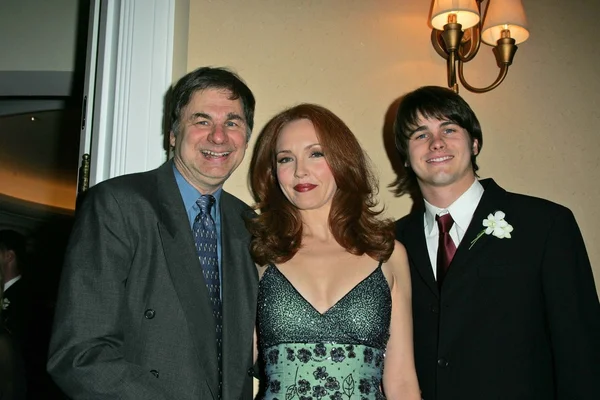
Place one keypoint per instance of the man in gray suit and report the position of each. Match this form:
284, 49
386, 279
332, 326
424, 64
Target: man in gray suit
138, 315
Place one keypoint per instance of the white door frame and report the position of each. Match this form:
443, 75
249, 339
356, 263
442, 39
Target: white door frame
130, 68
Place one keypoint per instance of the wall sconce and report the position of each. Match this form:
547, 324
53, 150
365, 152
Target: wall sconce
458, 32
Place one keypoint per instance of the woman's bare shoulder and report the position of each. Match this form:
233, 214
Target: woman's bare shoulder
396, 267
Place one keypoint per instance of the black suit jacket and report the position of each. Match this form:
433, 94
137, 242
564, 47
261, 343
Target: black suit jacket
12, 370
17, 315
516, 318
133, 318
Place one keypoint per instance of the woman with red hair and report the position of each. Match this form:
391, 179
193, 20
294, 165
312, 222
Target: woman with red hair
334, 308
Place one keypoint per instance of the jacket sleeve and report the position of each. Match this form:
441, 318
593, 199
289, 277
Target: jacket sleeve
86, 349
573, 310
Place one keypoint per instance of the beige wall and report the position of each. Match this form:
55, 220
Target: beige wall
356, 57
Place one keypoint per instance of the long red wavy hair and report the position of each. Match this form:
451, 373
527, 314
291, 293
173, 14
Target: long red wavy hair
277, 230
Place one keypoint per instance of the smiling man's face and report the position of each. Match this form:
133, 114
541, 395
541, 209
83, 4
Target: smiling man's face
211, 141
439, 153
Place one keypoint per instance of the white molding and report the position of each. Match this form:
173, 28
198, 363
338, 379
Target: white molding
123, 82
104, 94
134, 74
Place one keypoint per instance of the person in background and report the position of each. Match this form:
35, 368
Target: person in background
12, 369
504, 301
158, 292
334, 315
16, 301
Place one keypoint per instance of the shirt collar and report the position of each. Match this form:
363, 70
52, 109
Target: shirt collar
190, 194
462, 209
11, 282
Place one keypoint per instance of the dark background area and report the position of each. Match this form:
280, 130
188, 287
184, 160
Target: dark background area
49, 149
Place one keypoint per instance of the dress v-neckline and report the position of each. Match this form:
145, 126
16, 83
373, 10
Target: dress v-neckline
324, 313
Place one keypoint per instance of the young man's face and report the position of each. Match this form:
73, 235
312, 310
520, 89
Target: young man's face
439, 152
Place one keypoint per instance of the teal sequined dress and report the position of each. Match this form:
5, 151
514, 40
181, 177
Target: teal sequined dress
335, 355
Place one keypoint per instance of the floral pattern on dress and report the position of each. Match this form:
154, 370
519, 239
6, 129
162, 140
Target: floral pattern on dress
319, 391
321, 373
303, 386
336, 396
320, 350
275, 386
338, 354
368, 355
273, 356
304, 355
364, 386
332, 384
290, 354
350, 350
379, 360
331, 388
320, 377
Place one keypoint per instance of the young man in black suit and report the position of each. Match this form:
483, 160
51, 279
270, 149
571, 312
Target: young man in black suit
504, 301
157, 297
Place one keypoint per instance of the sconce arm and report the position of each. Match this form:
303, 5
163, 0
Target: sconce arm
455, 46
504, 51
471, 43
501, 75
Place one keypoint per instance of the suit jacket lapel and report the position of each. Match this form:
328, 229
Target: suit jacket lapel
490, 202
417, 249
239, 298
186, 272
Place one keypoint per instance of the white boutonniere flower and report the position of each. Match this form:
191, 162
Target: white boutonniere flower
5, 303
495, 225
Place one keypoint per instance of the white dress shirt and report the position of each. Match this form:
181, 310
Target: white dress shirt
461, 210
11, 282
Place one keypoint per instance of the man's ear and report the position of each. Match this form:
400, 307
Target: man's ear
10, 255
172, 139
475, 148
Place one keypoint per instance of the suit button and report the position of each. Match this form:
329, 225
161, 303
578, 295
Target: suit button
154, 372
442, 362
250, 371
149, 313
434, 308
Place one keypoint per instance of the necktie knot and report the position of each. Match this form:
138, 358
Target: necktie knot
205, 202
445, 222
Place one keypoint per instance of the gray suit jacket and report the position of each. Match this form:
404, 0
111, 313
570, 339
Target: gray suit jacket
133, 318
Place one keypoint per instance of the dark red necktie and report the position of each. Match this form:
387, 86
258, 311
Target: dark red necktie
446, 246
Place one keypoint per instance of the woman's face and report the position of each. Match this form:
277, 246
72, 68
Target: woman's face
302, 170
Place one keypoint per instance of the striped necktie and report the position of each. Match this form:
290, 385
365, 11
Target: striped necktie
205, 237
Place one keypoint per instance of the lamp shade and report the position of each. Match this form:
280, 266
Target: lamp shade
466, 11
501, 15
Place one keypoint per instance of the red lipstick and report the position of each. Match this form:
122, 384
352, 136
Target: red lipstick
304, 187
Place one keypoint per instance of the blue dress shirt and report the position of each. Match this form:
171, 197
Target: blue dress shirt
190, 194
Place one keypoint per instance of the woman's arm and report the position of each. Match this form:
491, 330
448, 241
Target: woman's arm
399, 376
